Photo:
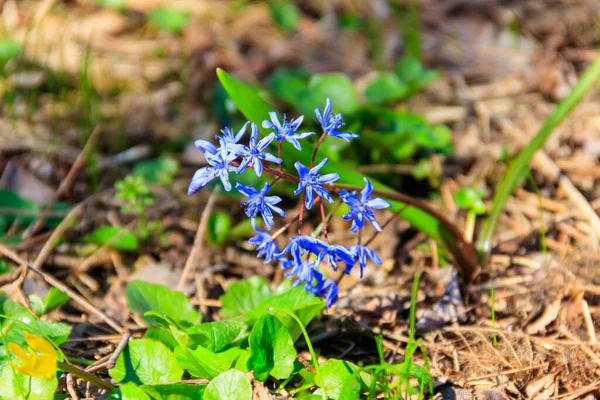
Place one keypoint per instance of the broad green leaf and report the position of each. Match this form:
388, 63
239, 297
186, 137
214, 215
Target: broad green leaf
179, 391
271, 349
335, 86
117, 237
168, 19
243, 296
285, 14
54, 299
256, 109
146, 361
217, 335
288, 84
161, 335
306, 306
219, 224
414, 74
161, 170
385, 88
16, 386
129, 391
336, 376
203, 363
143, 296
230, 385
15, 319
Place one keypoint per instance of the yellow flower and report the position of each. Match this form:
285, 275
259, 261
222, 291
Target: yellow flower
39, 361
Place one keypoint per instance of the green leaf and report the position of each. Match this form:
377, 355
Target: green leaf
288, 84
205, 364
470, 199
285, 14
336, 377
305, 305
54, 299
4, 266
518, 167
161, 335
16, 386
219, 224
230, 385
9, 49
129, 391
335, 86
271, 349
143, 297
116, 237
385, 88
16, 207
177, 391
243, 296
161, 171
169, 20
256, 109
146, 361
15, 319
414, 74
217, 335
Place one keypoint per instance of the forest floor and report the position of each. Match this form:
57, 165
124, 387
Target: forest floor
504, 67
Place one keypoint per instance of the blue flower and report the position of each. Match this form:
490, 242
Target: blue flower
260, 203
206, 147
331, 122
304, 272
265, 244
218, 166
311, 181
360, 254
229, 138
254, 153
335, 253
286, 130
301, 245
326, 288
312, 278
361, 208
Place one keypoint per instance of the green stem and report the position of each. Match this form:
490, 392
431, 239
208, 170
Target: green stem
311, 350
518, 166
68, 368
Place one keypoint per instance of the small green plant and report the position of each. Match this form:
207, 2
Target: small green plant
471, 200
135, 193
285, 14
169, 20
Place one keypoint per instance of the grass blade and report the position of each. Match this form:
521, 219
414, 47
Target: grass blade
423, 218
518, 167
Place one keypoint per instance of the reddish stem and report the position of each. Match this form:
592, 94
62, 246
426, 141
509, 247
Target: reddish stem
324, 219
314, 154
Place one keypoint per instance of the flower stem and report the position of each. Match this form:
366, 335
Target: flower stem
85, 376
316, 150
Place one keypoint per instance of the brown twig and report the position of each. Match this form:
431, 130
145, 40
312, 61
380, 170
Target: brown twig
63, 288
110, 363
66, 182
198, 248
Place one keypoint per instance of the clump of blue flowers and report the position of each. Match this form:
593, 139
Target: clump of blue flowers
304, 255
